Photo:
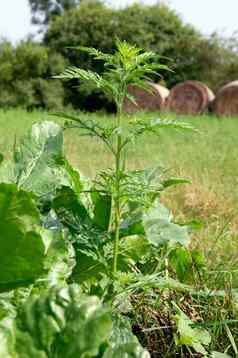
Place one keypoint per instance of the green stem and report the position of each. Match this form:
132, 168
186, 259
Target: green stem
117, 193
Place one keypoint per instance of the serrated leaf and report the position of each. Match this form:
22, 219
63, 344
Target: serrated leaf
154, 125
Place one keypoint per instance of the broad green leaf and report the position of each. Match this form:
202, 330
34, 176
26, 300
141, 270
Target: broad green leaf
199, 260
89, 267
180, 259
60, 259
38, 160
88, 239
134, 247
159, 227
75, 177
156, 223
122, 342
101, 210
187, 263
70, 211
22, 250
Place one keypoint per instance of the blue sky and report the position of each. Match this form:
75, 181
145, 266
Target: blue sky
206, 15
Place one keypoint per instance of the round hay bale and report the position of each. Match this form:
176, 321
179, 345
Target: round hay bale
226, 101
146, 101
190, 97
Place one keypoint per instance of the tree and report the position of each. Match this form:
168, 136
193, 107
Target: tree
43, 10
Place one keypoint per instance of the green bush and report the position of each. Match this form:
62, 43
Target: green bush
25, 76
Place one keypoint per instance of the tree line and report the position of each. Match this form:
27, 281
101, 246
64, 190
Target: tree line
27, 70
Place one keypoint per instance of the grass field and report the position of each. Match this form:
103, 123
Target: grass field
209, 158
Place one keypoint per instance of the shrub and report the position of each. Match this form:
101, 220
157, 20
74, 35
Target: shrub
25, 76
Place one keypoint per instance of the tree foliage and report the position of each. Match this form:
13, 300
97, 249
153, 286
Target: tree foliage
26, 76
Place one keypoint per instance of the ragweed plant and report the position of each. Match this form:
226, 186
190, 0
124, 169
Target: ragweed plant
129, 65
